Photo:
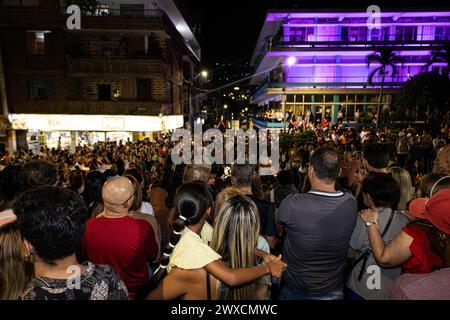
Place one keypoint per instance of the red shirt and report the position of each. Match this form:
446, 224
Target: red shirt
423, 260
127, 244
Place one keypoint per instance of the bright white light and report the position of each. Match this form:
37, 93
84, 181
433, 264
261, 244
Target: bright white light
204, 74
180, 27
236, 88
291, 61
225, 106
246, 109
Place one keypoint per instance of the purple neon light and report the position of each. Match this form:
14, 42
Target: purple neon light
356, 53
275, 16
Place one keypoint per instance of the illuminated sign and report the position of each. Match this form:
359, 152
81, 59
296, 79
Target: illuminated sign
68, 122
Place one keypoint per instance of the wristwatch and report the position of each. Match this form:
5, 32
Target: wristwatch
370, 223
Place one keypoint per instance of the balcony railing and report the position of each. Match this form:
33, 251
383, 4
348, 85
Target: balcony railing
114, 107
362, 44
328, 82
345, 79
123, 66
124, 12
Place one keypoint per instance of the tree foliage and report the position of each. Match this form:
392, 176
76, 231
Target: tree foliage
425, 97
85, 5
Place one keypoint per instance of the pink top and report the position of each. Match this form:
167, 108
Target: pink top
430, 286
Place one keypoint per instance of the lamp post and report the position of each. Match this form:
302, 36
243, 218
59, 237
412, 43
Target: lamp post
204, 75
290, 62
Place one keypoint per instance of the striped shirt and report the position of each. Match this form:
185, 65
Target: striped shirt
360, 243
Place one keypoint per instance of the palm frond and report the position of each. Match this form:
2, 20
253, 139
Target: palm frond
372, 74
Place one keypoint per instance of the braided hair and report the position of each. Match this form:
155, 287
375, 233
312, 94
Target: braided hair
191, 203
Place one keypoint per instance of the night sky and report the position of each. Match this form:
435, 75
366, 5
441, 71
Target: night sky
230, 29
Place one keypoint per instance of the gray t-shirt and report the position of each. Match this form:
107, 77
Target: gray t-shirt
360, 242
318, 230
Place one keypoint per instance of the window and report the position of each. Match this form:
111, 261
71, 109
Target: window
36, 42
405, 33
380, 34
104, 92
170, 91
41, 89
301, 34
354, 34
442, 33
132, 9
21, 3
144, 89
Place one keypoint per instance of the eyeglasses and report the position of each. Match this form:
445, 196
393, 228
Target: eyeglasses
132, 195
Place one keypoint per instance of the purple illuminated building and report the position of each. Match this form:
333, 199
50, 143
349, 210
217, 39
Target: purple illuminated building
317, 61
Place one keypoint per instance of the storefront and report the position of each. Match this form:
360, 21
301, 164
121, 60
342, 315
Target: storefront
68, 131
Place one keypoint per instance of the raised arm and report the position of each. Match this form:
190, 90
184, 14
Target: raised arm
239, 276
396, 252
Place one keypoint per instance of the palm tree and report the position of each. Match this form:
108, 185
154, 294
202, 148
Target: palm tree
387, 59
441, 55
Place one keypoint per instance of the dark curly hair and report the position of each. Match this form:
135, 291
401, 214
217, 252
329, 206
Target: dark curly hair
38, 173
52, 219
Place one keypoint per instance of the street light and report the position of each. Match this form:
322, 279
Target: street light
203, 74
225, 106
236, 88
291, 61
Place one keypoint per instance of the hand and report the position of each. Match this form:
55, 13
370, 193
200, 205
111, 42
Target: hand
276, 267
369, 215
269, 257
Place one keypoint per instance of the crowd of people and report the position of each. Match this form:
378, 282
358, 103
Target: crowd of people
348, 216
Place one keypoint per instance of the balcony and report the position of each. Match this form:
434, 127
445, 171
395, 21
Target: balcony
95, 66
122, 19
356, 45
87, 107
329, 83
114, 107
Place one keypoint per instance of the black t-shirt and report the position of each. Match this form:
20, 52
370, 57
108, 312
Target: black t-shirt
266, 216
318, 226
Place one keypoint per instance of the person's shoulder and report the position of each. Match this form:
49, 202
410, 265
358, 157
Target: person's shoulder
140, 217
294, 197
103, 271
260, 202
402, 218
103, 274
31, 291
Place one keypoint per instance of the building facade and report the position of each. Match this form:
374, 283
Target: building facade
129, 58
316, 61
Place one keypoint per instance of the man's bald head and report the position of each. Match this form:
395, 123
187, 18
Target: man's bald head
442, 163
117, 194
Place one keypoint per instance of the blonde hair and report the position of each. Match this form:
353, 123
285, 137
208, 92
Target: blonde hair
406, 189
235, 237
14, 270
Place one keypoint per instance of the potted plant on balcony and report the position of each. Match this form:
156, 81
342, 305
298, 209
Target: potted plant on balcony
86, 6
